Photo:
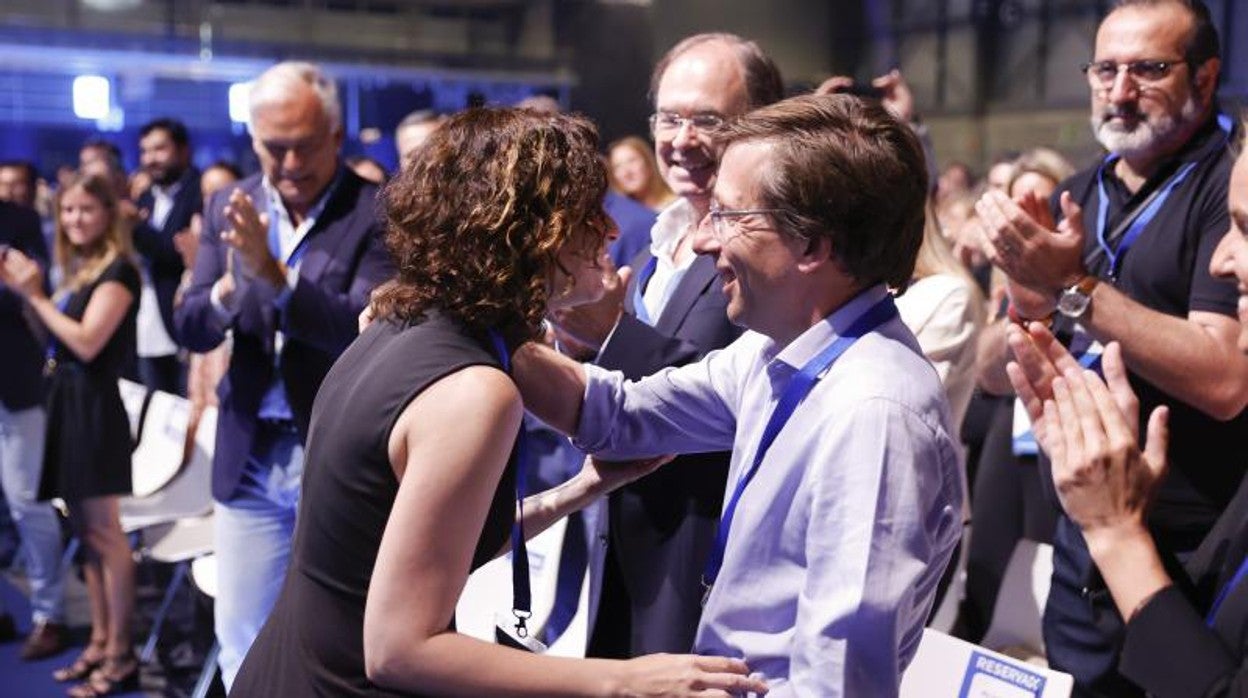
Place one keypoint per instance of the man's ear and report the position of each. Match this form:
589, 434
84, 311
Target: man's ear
1207, 79
818, 252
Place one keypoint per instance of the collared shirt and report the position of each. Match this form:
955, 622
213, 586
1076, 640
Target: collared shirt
162, 203
152, 337
674, 223
840, 539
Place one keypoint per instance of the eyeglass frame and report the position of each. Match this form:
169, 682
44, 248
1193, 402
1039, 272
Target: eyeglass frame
1090, 69
681, 121
717, 216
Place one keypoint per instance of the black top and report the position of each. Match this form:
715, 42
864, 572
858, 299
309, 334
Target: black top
21, 354
1167, 269
313, 643
1169, 650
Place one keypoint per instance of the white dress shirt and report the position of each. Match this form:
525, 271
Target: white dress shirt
842, 536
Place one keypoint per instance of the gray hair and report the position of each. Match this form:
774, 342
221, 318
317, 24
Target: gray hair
277, 83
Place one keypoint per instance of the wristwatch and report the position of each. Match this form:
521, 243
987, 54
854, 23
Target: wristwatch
1074, 300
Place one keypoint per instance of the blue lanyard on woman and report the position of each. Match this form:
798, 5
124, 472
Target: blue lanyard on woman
522, 600
1151, 209
798, 388
54, 344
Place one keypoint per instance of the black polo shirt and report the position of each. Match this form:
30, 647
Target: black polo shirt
1167, 269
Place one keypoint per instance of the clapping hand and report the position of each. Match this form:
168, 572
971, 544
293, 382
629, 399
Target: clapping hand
21, 273
248, 236
1089, 428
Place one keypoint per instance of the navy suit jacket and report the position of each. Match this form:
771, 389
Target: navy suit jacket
663, 525
164, 264
345, 259
21, 353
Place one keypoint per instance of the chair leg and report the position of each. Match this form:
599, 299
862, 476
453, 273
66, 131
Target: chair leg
149, 648
207, 673
71, 549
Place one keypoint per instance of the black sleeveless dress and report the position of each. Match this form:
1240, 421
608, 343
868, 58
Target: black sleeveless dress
87, 447
313, 642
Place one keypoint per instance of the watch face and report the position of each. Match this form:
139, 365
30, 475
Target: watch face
1073, 302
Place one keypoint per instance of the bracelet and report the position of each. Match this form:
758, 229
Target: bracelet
1012, 313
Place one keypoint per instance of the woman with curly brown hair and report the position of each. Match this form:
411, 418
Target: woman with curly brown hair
410, 479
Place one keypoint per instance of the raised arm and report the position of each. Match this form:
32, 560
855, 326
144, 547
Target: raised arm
86, 337
1193, 358
445, 491
552, 384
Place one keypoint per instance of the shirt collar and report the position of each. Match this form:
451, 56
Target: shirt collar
809, 343
276, 203
668, 228
169, 191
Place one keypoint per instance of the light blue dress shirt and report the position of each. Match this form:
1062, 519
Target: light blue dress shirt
840, 540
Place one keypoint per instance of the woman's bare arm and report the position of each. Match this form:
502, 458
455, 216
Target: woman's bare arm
449, 448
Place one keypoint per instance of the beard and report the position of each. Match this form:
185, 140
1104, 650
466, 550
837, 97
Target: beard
1141, 136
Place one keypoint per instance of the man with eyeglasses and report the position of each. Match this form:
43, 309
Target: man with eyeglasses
1128, 261
844, 496
660, 530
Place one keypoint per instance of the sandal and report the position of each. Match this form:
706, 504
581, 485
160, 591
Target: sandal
82, 666
114, 675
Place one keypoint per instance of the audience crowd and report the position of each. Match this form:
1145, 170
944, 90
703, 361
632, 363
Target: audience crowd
795, 388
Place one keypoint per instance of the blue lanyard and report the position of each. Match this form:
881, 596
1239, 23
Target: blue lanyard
54, 344
1226, 590
522, 600
799, 386
639, 303
1150, 211
275, 237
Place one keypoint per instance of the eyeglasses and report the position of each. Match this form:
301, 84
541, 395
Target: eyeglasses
1102, 74
719, 219
665, 124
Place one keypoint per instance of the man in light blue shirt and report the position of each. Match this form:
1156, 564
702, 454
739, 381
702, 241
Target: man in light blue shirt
834, 538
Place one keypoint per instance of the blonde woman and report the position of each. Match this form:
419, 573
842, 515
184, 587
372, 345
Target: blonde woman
944, 309
634, 173
90, 321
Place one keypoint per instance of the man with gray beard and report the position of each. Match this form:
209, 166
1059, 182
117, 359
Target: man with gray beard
1122, 254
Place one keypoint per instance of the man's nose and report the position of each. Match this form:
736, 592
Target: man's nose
704, 241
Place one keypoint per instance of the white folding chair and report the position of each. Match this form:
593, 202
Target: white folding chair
178, 544
946, 666
187, 494
488, 593
162, 443
1020, 602
134, 398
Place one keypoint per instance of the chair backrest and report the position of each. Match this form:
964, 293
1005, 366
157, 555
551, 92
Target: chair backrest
162, 443
1020, 602
204, 574
184, 539
187, 494
946, 666
488, 593
134, 398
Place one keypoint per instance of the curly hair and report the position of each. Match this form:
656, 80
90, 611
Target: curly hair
477, 223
